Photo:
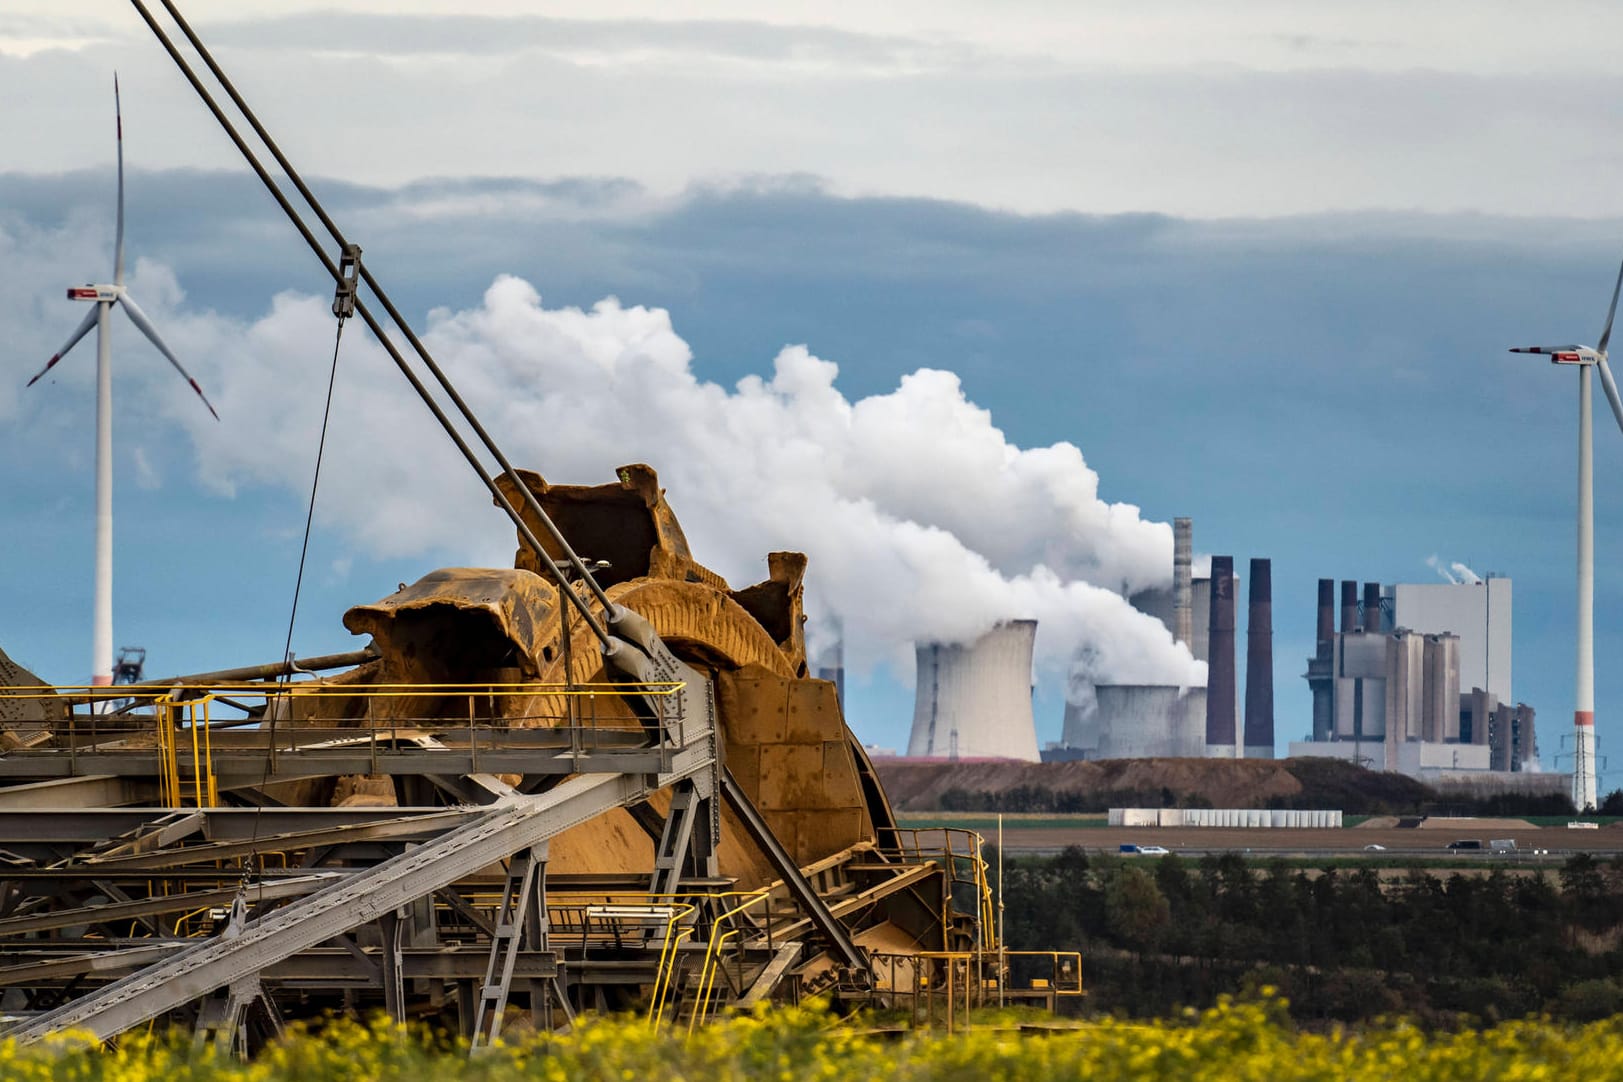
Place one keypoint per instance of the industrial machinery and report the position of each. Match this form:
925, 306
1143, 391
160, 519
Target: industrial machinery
584, 782
484, 809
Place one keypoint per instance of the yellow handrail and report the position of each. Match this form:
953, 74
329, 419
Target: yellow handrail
712, 955
665, 974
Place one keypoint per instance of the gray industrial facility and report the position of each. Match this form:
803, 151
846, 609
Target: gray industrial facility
1387, 681
1127, 721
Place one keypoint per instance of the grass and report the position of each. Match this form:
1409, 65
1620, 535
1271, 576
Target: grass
1253, 1040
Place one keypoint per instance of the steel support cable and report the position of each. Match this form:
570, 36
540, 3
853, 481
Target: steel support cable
310, 513
252, 863
388, 306
528, 535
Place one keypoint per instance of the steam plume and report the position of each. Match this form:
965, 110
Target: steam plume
920, 517
1455, 572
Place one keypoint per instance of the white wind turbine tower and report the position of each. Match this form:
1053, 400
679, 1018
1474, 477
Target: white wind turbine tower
1585, 358
105, 296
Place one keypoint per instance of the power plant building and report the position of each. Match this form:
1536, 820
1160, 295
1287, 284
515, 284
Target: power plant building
1166, 721
1387, 685
974, 701
1477, 612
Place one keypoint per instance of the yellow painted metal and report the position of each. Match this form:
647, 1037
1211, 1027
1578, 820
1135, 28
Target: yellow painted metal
712, 954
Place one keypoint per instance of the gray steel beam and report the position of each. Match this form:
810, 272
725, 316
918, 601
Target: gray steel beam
89, 826
235, 769
389, 830
811, 904
92, 791
325, 964
494, 835
107, 912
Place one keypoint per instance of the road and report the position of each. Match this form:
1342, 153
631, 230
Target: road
1351, 841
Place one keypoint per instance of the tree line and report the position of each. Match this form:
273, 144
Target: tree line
1342, 946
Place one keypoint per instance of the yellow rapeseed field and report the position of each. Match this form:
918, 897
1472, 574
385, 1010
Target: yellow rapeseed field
1245, 1041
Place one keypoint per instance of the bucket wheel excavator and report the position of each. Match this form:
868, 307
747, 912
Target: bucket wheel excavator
599, 779
490, 812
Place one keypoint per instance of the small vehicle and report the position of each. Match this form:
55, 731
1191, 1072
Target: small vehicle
1502, 845
1466, 843
1153, 850
1129, 849
1374, 847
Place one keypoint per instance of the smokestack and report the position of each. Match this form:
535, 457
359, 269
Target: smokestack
831, 667
1322, 664
974, 702
1372, 606
1327, 615
1349, 606
1183, 556
1259, 663
1220, 697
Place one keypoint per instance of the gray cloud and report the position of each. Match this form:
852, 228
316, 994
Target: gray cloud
587, 41
873, 112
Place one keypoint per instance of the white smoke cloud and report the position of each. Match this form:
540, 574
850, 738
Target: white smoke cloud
920, 517
1456, 572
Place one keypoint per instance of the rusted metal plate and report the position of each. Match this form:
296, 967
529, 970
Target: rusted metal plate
627, 523
459, 619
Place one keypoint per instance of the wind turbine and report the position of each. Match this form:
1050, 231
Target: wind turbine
105, 296
1584, 358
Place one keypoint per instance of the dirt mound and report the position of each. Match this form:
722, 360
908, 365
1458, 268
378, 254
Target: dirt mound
1087, 786
1471, 825
1379, 822
1083, 787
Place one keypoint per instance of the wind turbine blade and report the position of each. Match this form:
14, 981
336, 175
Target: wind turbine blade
1610, 386
144, 325
1611, 313
73, 340
118, 242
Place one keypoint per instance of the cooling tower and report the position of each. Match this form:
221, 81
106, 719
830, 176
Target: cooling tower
1183, 559
1220, 689
1259, 663
1138, 721
974, 701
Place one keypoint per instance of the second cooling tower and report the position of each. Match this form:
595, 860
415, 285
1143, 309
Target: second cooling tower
974, 701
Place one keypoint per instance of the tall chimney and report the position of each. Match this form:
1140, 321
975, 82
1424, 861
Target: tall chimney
831, 667
1220, 697
1183, 555
1322, 664
1259, 663
1327, 615
1349, 606
1372, 606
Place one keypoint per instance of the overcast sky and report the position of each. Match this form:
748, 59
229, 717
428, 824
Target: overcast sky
1256, 262
1188, 108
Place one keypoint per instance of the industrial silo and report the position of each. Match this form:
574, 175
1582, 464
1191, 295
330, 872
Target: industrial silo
974, 701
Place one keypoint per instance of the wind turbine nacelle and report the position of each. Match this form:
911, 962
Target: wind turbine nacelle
93, 293
1574, 356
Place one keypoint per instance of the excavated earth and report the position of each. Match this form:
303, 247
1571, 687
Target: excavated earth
916, 785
